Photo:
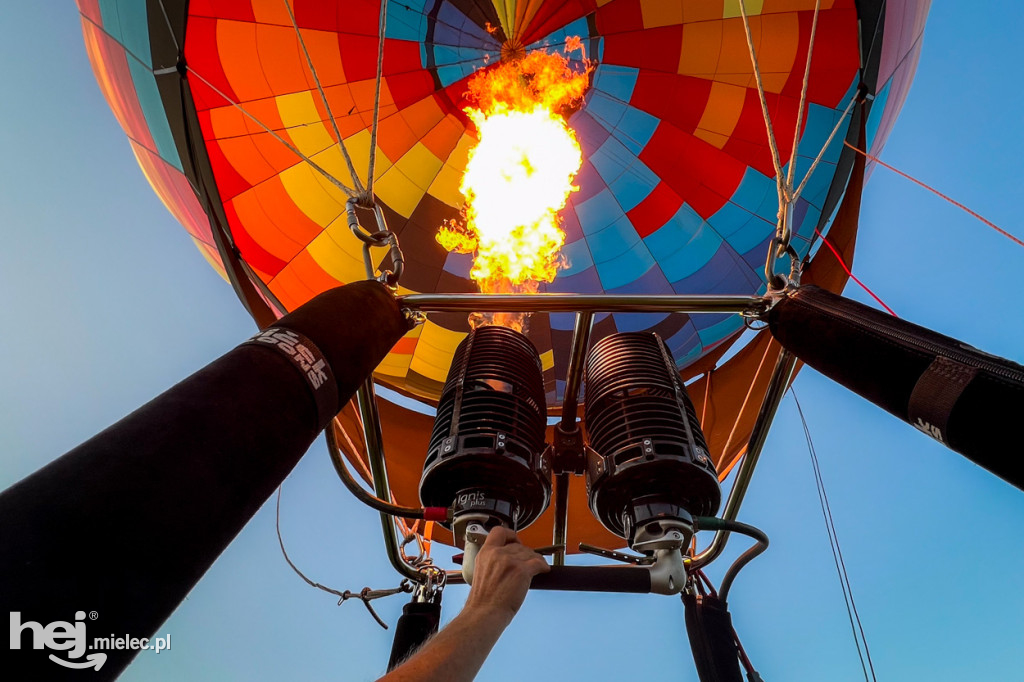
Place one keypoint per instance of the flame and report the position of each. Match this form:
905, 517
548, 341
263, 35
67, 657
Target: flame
519, 175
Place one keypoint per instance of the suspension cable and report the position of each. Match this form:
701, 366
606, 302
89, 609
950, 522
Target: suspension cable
323, 97
837, 553
381, 29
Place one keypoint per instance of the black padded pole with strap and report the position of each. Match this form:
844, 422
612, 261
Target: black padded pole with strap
418, 623
125, 524
712, 639
967, 399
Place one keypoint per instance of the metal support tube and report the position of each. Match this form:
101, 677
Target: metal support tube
570, 403
367, 402
777, 385
566, 303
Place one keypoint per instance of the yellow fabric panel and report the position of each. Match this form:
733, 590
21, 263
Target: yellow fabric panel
445, 186
731, 8
319, 200
420, 165
661, 12
460, 155
702, 42
236, 49
434, 351
308, 133
725, 103
399, 192
358, 146
394, 365
338, 252
547, 360
506, 10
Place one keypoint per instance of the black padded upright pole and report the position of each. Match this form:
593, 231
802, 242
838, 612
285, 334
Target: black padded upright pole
418, 623
125, 524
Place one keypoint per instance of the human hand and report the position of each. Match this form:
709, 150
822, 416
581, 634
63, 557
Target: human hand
502, 574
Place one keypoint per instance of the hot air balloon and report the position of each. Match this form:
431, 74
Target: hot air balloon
677, 194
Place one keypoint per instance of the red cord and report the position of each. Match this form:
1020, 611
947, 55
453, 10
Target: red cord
937, 192
863, 286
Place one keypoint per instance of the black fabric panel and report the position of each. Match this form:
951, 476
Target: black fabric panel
872, 27
418, 623
882, 359
712, 639
126, 523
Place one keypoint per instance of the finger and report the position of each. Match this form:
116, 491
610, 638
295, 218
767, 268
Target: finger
539, 565
499, 536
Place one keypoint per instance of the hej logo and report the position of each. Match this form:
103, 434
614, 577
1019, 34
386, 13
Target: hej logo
60, 636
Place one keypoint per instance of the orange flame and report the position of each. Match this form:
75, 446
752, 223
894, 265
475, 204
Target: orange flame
519, 175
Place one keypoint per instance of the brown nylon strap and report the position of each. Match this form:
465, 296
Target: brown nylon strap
935, 395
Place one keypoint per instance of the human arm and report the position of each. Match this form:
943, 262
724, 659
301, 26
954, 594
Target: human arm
501, 579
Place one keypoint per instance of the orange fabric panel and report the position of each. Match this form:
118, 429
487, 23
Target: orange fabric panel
237, 51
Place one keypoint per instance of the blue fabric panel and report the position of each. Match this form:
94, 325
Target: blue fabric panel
454, 28
723, 274
626, 267
570, 224
651, 282
405, 25
459, 264
585, 282
606, 110
562, 321
634, 185
713, 329
684, 245
578, 256
755, 189
611, 160
153, 109
598, 212
684, 341
557, 38
617, 81
877, 109
589, 132
741, 228
635, 129
613, 241
127, 21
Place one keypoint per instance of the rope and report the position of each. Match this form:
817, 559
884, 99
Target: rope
821, 154
366, 595
931, 189
803, 100
382, 27
323, 98
837, 552
764, 103
849, 272
333, 180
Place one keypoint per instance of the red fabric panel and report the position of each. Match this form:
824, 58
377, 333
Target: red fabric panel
617, 17
253, 254
680, 100
201, 55
239, 10
655, 210
229, 182
707, 178
652, 48
553, 16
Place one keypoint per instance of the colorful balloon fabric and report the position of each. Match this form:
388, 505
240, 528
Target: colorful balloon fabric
676, 193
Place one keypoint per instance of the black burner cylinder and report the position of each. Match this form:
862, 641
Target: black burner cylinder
486, 452
647, 457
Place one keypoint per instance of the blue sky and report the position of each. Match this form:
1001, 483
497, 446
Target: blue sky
107, 303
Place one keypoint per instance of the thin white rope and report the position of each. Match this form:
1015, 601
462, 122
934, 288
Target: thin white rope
333, 180
824, 148
764, 102
803, 100
323, 97
382, 27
